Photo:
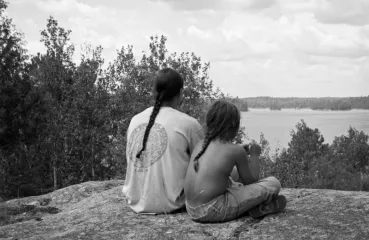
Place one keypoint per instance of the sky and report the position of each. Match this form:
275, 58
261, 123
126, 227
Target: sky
278, 48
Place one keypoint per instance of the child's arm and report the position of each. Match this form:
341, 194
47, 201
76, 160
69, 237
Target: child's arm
234, 174
255, 151
248, 166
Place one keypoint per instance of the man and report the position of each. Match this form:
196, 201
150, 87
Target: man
160, 142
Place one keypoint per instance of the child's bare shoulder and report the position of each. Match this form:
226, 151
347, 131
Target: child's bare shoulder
237, 150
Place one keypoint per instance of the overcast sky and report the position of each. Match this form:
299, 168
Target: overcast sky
280, 48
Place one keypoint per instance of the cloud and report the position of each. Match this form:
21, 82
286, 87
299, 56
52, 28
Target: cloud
255, 47
321, 41
364, 69
63, 6
260, 4
192, 30
219, 5
341, 52
344, 12
192, 5
329, 11
219, 45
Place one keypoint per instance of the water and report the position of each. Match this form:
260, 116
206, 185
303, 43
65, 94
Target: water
277, 125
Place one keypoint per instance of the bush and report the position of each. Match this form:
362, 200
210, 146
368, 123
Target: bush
310, 163
292, 164
353, 150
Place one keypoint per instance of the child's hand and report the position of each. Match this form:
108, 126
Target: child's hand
247, 148
255, 149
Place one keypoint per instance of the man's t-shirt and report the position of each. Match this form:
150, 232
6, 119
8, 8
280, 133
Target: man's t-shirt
154, 182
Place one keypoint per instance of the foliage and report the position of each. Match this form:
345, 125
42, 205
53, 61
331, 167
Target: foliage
310, 163
22, 111
63, 123
353, 150
266, 162
274, 105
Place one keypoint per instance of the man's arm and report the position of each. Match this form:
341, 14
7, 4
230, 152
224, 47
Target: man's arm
196, 135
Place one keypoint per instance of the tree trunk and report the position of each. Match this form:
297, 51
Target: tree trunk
92, 159
55, 177
55, 169
4, 173
66, 147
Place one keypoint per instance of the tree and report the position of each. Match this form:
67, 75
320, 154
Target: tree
353, 150
52, 73
309, 163
346, 164
266, 162
21, 110
91, 114
293, 164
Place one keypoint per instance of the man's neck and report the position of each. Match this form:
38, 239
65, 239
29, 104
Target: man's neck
171, 104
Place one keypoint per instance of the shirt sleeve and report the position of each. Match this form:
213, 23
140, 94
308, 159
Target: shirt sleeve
196, 135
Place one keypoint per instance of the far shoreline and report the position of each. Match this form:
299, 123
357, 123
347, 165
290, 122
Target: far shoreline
308, 109
354, 110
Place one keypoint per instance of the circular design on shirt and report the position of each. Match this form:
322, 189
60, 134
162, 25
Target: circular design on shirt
156, 145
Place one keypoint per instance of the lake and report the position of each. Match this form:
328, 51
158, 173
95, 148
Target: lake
277, 125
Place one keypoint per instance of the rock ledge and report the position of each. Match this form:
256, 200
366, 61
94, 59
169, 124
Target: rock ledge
98, 210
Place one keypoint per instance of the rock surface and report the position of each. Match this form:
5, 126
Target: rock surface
98, 210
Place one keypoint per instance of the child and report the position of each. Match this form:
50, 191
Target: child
211, 195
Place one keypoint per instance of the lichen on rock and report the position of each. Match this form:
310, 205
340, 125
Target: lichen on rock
98, 210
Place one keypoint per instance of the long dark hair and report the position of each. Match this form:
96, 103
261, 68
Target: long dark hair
222, 123
168, 84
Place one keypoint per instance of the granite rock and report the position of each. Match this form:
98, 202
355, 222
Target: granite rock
98, 210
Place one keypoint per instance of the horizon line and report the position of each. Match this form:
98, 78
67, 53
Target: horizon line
305, 97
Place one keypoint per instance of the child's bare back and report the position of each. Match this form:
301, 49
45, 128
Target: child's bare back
212, 178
